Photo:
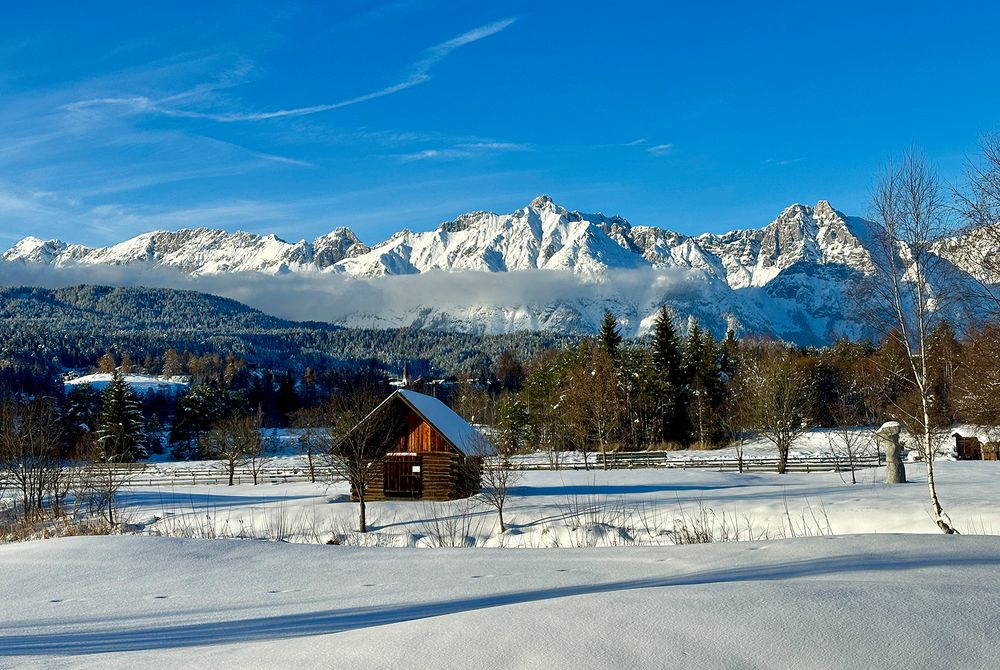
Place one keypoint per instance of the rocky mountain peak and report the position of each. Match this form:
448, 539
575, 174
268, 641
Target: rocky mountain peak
541, 202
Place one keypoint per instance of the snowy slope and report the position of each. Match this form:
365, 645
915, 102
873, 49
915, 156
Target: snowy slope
884, 601
791, 278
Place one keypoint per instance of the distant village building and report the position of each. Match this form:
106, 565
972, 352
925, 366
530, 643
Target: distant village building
433, 454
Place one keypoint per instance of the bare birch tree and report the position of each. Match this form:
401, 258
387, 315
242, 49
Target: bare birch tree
910, 286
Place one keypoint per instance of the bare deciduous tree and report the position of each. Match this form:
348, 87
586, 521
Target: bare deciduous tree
735, 417
498, 475
234, 440
314, 440
358, 445
910, 285
776, 396
847, 441
29, 453
591, 400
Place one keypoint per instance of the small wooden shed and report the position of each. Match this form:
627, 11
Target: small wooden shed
971, 449
430, 452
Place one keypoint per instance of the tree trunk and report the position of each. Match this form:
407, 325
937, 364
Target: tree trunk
232, 470
782, 459
503, 526
362, 524
943, 522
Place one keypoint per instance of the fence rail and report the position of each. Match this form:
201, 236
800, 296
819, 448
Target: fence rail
663, 459
143, 474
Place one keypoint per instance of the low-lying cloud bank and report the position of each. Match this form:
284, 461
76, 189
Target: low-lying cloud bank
480, 301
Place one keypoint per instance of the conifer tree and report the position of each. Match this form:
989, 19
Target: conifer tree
121, 426
704, 384
668, 381
610, 337
81, 409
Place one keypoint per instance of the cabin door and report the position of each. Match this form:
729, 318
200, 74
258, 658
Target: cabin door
403, 476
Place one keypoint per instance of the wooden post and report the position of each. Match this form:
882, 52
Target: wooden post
888, 438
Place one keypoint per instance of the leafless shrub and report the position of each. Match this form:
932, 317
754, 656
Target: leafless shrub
449, 525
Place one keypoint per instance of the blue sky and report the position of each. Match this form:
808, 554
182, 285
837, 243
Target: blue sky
119, 118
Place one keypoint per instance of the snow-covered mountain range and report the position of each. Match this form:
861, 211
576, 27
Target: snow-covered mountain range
790, 278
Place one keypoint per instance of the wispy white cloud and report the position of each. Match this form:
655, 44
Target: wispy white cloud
463, 150
781, 162
660, 149
418, 73
635, 143
275, 158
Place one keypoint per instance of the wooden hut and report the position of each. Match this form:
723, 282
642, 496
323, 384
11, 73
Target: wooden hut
428, 451
971, 449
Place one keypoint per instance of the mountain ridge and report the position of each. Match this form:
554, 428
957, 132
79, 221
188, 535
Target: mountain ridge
790, 278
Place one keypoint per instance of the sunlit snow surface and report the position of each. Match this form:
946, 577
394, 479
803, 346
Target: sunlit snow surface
899, 595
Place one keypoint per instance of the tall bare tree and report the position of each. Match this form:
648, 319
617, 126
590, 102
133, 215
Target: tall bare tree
911, 285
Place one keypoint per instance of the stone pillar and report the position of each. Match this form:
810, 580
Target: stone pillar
888, 440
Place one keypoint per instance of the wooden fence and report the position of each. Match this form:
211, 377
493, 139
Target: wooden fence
663, 459
144, 474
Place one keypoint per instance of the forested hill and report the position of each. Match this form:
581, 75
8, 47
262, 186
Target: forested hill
134, 309
49, 329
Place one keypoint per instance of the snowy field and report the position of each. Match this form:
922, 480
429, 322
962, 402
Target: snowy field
576, 508
864, 601
826, 574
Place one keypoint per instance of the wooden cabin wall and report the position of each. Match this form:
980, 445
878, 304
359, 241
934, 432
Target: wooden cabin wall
419, 437
375, 489
446, 476
439, 475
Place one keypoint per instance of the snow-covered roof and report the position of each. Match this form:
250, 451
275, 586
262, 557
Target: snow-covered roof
452, 427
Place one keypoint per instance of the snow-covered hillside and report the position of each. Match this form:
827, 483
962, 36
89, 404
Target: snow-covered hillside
791, 278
